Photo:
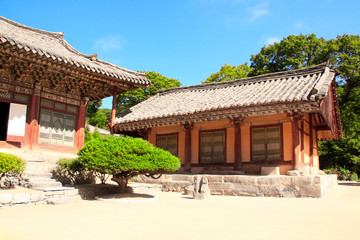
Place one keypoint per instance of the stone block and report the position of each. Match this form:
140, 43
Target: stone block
246, 180
310, 191
270, 170
284, 180
185, 178
215, 178
302, 181
36, 197
5, 198
317, 179
245, 190
220, 186
289, 192
170, 186
270, 191
21, 198
266, 181
217, 192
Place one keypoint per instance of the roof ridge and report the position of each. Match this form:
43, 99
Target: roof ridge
259, 78
58, 35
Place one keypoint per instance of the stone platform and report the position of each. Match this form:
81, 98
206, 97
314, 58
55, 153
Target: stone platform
245, 185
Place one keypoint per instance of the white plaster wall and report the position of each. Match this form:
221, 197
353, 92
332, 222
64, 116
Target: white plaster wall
17, 120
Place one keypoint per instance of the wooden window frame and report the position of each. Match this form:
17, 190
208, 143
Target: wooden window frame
281, 143
167, 135
225, 146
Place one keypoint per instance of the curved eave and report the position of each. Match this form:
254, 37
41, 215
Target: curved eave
220, 114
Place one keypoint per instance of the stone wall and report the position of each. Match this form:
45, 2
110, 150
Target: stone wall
257, 186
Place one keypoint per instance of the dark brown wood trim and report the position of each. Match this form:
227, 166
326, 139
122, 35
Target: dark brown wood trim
295, 140
237, 143
311, 127
188, 127
302, 143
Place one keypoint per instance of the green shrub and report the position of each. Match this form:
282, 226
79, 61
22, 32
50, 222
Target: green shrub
125, 157
342, 173
11, 164
70, 170
11, 168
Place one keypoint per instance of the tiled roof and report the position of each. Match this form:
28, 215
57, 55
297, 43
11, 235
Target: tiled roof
303, 85
54, 47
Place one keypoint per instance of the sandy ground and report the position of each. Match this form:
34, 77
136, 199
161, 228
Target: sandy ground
175, 216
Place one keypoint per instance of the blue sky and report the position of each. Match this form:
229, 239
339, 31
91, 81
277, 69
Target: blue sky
187, 40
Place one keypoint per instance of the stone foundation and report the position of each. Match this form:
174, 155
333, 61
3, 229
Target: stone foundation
256, 186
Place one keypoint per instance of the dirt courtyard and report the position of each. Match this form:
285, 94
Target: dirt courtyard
176, 216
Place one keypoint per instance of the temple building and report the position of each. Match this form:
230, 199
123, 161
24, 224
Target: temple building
269, 121
45, 85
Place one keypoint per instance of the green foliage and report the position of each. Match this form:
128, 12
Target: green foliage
89, 135
229, 73
131, 98
92, 108
342, 173
100, 118
292, 52
126, 156
343, 55
11, 164
70, 170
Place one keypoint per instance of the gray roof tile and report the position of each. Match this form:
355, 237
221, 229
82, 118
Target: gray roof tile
273, 88
53, 46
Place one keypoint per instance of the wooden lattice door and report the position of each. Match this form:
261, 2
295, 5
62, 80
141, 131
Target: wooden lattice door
56, 128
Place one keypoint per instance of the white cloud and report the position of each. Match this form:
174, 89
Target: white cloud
298, 24
110, 42
258, 11
271, 40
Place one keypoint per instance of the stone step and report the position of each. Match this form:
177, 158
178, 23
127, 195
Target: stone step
42, 185
41, 179
37, 174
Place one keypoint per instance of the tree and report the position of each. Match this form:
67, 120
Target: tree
292, 52
92, 107
100, 118
124, 157
343, 55
229, 73
128, 99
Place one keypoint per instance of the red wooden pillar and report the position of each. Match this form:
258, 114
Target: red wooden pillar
296, 143
33, 119
80, 124
113, 111
237, 143
311, 127
188, 128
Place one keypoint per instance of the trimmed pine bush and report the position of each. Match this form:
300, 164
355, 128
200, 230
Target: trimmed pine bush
71, 171
124, 157
11, 164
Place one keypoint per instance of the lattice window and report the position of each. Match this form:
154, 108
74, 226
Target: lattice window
266, 144
60, 106
212, 147
47, 103
72, 109
21, 98
6, 95
168, 143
